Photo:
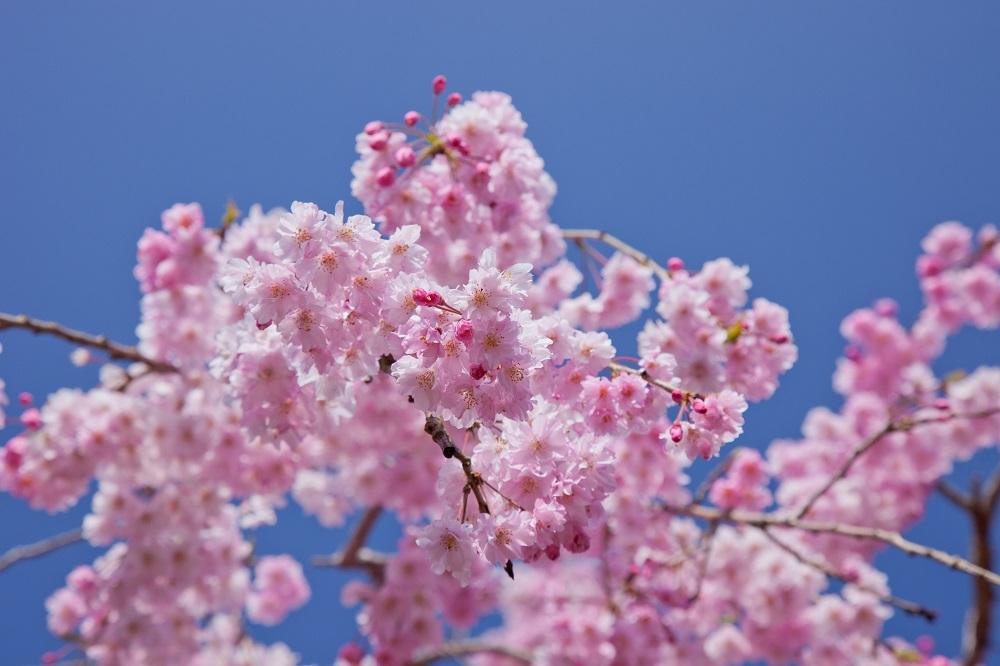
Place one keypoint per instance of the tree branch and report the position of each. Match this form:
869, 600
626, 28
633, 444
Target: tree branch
467, 648
642, 374
982, 504
611, 241
901, 425
39, 548
355, 555
766, 520
434, 427
954, 495
113, 349
902, 604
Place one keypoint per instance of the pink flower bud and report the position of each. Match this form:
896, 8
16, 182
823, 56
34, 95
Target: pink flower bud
886, 307
352, 653
378, 141
31, 419
463, 331
779, 338
677, 395
420, 296
929, 266
477, 371
13, 453
853, 353
454, 99
25, 399
850, 575
438, 84
699, 407
373, 127
262, 325
386, 176
405, 156
675, 264
455, 141
411, 118
676, 432
942, 404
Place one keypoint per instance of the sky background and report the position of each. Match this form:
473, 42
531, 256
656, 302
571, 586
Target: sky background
816, 142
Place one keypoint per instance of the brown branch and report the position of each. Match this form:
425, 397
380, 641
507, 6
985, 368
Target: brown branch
954, 495
457, 649
611, 241
902, 604
642, 374
766, 520
113, 349
901, 425
355, 555
39, 548
434, 427
981, 508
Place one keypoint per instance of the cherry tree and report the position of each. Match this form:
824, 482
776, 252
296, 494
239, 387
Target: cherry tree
439, 359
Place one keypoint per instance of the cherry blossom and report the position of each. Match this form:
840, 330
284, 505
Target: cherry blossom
436, 359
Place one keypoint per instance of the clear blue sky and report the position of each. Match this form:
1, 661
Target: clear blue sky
816, 142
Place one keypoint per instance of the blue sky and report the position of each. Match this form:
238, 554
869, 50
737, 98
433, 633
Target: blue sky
816, 142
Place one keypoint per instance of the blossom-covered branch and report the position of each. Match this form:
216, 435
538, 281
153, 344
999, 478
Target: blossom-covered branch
766, 520
113, 349
908, 607
321, 349
901, 425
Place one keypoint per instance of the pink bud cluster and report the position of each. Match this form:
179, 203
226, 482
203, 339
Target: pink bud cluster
470, 180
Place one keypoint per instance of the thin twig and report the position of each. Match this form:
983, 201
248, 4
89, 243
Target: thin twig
113, 349
714, 475
458, 649
611, 241
902, 425
642, 374
39, 548
954, 495
902, 604
764, 520
355, 555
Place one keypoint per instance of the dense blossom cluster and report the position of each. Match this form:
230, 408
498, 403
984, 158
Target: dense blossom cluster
435, 358
471, 181
887, 377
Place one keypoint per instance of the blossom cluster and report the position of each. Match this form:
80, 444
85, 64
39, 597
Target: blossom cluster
438, 359
470, 180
